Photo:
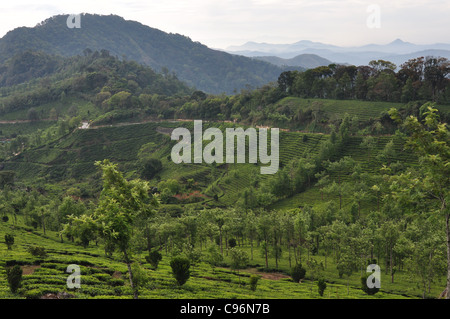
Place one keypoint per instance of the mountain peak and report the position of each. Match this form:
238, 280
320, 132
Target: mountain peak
398, 42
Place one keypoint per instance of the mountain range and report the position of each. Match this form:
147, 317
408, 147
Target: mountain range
397, 51
212, 71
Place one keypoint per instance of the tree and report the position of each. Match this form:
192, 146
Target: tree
254, 281
119, 204
430, 141
365, 288
120, 100
321, 285
346, 266
214, 258
436, 71
298, 273
9, 241
265, 232
153, 258
14, 276
285, 81
83, 227
239, 260
140, 278
180, 269
407, 91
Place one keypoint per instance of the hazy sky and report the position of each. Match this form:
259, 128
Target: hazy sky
220, 23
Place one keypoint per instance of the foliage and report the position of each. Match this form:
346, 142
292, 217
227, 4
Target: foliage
9, 241
254, 281
321, 286
153, 258
37, 251
180, 269
298, 273
365, 288
14, 276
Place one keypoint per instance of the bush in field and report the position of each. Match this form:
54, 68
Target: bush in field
298, 273
365, 288
153, 258
321, 285
140, 278
14, 276
254, 281
9, 241
37, 251
180, 269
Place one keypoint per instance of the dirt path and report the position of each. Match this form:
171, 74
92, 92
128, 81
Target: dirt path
267, 275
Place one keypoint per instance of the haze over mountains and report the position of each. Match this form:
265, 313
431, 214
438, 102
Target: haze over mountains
397, 51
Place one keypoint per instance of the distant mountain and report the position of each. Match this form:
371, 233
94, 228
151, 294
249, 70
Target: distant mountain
209, 70
397, 51
307, 61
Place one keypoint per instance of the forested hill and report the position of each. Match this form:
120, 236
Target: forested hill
199, 66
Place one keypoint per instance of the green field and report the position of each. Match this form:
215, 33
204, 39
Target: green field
103, 277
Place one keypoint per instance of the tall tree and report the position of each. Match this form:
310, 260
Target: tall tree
430, 181
119, 204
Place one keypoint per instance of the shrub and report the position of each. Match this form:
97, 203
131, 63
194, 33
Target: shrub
153, 258
254, 281
37, 251
298, 273
9, 241
365, 288
321, 285
140, 278
5, 218
180, 269
14, 275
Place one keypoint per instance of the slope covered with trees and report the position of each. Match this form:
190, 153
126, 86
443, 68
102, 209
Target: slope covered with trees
208, 70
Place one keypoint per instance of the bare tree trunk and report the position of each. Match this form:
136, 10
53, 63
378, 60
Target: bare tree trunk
130, 273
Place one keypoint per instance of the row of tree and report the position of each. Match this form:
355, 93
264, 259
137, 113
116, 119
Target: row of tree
422, 78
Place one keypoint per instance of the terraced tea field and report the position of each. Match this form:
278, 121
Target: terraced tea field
103, 277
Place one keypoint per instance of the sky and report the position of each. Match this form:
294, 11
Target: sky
221, 23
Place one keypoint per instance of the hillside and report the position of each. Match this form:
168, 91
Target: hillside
199, 66
87, 178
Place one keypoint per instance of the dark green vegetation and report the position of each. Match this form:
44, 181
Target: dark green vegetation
209, 70
359, 180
